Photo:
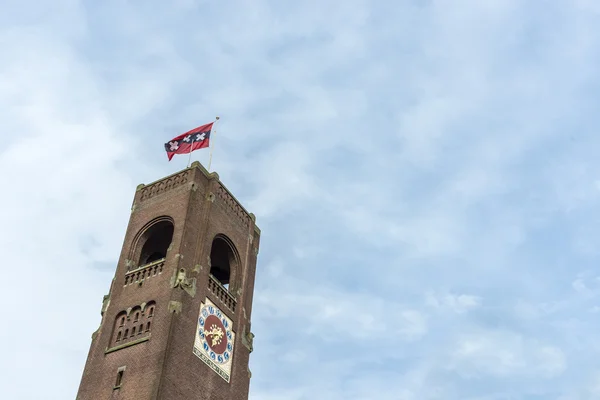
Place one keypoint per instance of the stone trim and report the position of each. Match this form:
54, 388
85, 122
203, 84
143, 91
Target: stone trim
125, 345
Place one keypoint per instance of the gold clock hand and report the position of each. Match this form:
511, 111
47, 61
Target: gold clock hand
216, 333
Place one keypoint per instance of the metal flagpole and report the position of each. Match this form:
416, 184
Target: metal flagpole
214, 129
191, 148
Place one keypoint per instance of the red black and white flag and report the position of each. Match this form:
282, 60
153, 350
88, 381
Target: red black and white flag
197, 138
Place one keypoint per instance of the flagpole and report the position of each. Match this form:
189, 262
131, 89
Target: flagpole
191, 149
214, 130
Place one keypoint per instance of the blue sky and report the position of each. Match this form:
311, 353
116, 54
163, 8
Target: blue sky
425, 174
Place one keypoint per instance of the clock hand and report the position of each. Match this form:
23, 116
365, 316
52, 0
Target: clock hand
216, 333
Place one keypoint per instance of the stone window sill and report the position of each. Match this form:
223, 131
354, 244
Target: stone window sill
129, 344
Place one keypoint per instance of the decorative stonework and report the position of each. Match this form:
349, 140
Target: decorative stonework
164, 185
214, 339
232, 206
210, 196
180, 280
221, 293
175, 307
144, 272
128, 344
248, 340
133, 324
105, 303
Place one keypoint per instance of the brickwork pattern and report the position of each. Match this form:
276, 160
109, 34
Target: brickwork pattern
164, 366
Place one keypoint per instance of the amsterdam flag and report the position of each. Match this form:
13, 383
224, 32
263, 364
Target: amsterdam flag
197, 138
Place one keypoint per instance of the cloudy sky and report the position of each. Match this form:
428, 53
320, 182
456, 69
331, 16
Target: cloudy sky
425, 174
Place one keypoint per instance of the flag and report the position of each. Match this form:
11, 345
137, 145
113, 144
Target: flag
197, 138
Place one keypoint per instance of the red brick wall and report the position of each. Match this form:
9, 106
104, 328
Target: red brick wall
164, 367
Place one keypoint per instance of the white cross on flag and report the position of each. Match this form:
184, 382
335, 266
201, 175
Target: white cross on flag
197, 138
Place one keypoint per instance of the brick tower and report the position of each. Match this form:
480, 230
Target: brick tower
176, 322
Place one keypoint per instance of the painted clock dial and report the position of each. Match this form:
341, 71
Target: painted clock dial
214, 339
215, 334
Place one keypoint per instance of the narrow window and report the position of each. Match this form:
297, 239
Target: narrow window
141, 329
126, 334
150, 312
119, 336
122, 321
148, 327
137, 316
119, 379
133, 332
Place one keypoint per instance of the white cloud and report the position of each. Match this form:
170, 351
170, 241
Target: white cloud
505, 354
458, 303
326, 312
389, 150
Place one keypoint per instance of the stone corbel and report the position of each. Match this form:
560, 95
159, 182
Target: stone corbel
175, 307
180, 280
248, 340
105, 303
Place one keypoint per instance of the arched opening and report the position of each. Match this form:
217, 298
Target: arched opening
222, 260
156, 241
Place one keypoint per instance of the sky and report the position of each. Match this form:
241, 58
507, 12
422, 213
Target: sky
425, 175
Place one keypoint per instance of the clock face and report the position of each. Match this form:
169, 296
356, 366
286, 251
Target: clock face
214, 339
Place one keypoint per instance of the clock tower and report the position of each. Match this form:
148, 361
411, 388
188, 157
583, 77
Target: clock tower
176, 322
